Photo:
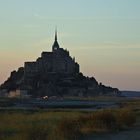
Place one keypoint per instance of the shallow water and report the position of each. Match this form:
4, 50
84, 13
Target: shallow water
66, 104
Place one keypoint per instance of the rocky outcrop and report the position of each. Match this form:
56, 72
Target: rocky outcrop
14, 81
57, 85
54, 74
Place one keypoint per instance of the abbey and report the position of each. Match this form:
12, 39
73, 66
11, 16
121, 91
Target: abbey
57, 61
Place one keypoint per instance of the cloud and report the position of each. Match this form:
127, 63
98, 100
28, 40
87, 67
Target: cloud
36, 15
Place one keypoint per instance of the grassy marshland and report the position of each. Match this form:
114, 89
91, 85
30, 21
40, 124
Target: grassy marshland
52, 125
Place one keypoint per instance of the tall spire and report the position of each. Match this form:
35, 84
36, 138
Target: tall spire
55, 45
56, 34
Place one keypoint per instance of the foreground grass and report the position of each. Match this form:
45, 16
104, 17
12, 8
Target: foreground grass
52, 125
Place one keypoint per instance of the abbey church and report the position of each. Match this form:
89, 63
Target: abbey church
57, 61
55, 73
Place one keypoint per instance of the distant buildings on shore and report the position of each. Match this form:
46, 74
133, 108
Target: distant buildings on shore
14, 93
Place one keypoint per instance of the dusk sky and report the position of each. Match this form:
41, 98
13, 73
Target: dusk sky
103, 35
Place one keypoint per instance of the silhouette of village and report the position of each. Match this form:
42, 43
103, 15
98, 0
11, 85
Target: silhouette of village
54, 74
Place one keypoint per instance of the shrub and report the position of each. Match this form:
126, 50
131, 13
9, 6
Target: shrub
97, 122
35, 131
69, 128
125, 118
104, 119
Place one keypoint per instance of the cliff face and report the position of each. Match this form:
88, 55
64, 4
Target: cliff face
56, 85
14, 81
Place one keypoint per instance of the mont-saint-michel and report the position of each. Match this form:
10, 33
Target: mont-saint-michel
81, 83
55, 73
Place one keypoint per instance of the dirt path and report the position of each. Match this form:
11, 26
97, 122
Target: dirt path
131, 134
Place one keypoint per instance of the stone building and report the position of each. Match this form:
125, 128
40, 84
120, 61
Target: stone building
57, 61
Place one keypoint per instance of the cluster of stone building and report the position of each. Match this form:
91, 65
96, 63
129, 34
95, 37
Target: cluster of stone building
56, 62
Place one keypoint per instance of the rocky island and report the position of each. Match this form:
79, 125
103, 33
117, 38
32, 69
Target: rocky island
56, 74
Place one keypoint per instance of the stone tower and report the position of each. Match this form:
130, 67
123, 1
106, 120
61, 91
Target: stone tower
55, 45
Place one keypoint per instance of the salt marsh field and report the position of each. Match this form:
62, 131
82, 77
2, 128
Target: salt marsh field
98, 118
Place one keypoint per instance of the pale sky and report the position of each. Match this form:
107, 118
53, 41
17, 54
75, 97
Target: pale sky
103, 35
